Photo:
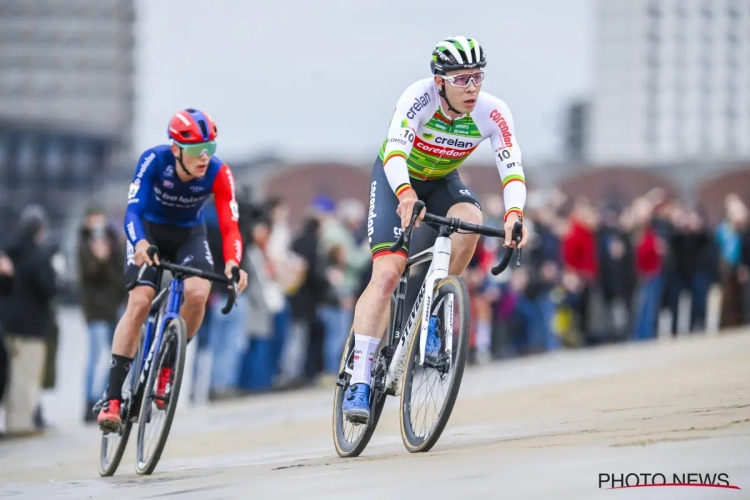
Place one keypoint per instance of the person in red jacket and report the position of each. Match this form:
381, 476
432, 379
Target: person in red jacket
579, 255
649, 256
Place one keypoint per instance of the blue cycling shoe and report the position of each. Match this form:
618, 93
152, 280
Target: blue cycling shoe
433, 344
356, 407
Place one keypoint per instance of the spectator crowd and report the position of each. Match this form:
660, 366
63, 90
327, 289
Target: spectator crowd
590, 275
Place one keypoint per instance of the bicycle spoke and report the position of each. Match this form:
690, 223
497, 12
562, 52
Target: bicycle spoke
430, 391
157, 413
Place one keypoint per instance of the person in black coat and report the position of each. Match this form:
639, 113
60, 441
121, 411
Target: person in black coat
6, 288
27, 320
694, 268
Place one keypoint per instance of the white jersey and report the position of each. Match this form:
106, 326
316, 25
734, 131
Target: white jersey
424, 143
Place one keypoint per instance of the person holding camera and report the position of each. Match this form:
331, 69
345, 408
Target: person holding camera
100, 264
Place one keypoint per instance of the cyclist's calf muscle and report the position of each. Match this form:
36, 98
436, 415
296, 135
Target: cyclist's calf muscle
373, 307
125, 342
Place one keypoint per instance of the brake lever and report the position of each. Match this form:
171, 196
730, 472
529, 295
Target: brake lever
406, 234
517, 236
232, 300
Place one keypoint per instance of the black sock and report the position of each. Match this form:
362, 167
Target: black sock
119, 366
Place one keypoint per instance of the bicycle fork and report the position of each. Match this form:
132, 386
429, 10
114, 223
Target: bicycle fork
437, 271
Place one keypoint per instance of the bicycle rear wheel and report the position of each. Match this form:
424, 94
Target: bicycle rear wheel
420, 427
113, 445
351, 439
150, 448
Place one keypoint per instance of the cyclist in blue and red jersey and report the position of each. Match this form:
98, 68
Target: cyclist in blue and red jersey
165, 208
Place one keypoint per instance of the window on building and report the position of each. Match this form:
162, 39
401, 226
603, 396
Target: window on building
83, 158
653, 35
26, 159
654, 9
54, 161
652, 60
4, 153
733, 11
732, 62
731, 87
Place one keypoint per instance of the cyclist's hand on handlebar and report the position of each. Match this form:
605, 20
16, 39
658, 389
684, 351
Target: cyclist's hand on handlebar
242, 284
141, 254
509, 242
405, 209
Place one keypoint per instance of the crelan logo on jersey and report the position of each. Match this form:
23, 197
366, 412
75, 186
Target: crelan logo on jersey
428, 135
449, 141
419, 103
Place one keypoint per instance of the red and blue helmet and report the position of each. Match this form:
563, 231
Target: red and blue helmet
191, 126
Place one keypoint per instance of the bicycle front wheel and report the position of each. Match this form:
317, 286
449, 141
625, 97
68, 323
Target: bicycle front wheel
423, 417
113, 444
157, 411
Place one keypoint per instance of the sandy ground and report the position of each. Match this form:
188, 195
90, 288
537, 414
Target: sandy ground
542, 427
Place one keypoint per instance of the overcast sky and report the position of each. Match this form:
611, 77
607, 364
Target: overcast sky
320, 79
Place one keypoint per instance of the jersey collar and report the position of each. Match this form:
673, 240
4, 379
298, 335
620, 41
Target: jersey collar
440, 106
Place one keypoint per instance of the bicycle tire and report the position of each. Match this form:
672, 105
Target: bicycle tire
343, 448
413, 443
175, 327
109, 469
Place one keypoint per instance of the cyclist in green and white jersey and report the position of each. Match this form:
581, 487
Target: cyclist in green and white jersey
437, 124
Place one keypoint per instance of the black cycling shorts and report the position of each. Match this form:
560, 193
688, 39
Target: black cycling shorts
187, 246
384, 224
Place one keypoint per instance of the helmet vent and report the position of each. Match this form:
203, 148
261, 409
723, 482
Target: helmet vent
204, 129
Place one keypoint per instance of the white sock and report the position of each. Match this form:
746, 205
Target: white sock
365, 352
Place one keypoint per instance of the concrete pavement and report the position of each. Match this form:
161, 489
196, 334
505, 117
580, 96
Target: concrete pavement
542, 427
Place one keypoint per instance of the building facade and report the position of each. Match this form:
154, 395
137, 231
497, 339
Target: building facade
672, 82
66, 98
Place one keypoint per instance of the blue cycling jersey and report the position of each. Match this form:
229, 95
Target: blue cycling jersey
158, 195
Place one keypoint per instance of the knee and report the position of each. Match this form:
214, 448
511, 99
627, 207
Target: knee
467, 213
473, 215
139, 303
386, 272
197, 292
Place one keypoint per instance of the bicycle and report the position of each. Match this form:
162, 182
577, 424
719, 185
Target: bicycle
402, 357
164, 336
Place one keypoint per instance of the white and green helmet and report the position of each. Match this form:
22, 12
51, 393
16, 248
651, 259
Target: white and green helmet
457, 52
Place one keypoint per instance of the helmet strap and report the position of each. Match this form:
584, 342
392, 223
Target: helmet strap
184, 169
441, 93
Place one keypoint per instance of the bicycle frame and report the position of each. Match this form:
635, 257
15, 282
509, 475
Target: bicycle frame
439, 255
154, 333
